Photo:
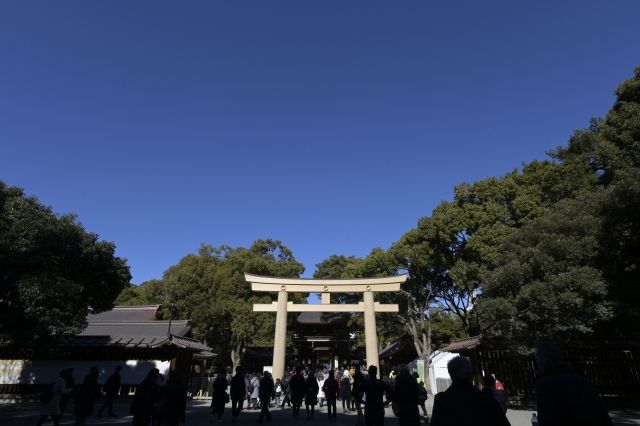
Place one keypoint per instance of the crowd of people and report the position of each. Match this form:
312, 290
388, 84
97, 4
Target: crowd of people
361, 392
563, 397
157, 402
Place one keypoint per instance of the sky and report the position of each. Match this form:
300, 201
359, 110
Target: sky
330, 125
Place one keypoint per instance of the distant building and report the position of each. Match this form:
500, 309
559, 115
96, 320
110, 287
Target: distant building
134, 337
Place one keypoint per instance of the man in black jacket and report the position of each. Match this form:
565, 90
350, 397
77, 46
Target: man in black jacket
266, 393
111, 390
297, 386
462, 404
374, 390
238, 392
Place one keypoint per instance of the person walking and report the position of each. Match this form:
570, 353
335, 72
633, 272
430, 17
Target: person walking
254, 389
357, 394
220, 397
462, 404
330, 388
70, 386
238, 393
286, 389
297, 386
172, 406
321, 397
278, 386
345, 391
147, 394
86, 396
406, 392
267, 391
423, 396
111, 390
311, 395
374, 390
51, 400
489, 388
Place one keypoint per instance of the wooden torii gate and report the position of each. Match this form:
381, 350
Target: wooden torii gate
366, 286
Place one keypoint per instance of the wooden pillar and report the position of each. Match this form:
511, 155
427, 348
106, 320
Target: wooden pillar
370, 332
280, 338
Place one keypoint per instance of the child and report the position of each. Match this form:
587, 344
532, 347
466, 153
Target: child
278, 392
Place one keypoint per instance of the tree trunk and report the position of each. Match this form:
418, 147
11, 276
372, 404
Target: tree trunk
236, 355
422, 343
427, 356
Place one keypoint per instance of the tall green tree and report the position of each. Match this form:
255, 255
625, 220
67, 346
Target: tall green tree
209, 289
51, 272
152, 292
547, 284
574, 271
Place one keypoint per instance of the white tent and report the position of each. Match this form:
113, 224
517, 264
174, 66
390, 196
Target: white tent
438, 375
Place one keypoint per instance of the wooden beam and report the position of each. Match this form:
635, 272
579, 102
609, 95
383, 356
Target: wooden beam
293, 281
347, 307
329, 288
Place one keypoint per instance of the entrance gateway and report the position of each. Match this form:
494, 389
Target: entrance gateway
366, 286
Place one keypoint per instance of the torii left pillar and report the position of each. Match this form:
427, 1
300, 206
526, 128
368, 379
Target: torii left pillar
280, 338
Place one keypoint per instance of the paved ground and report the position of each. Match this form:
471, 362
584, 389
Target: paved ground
198, 414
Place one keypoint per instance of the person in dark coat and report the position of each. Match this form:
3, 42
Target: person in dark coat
489, 388
330, 388
423, 396
147, 394
266, 394
406, 393
564, 397
311, 389
111, 390
356, 395
238, 393
86, 396
70, 385
220, 396
286, 389
172, 406
345, 391
297, 386
374, 390
462, 404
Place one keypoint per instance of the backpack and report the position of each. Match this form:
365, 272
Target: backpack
423, 395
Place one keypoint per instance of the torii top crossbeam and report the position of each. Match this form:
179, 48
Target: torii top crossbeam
302, 285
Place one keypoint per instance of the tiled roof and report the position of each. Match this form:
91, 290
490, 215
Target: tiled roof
127, 314
318, 318
463, 344
135, 327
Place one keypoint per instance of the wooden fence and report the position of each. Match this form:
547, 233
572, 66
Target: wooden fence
615, 370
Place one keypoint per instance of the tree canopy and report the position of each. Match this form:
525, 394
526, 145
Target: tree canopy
210, 290
51, 272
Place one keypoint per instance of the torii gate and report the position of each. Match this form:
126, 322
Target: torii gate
367, 286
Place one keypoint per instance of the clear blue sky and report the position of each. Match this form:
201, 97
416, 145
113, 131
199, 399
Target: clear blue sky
331, 125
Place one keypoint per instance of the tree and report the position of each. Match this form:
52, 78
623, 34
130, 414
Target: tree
53, 271
376, 264
547, 284
612, 145
209, 289
152, 292
619, 241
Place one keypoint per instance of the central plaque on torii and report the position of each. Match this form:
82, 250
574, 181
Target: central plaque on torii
366, 286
